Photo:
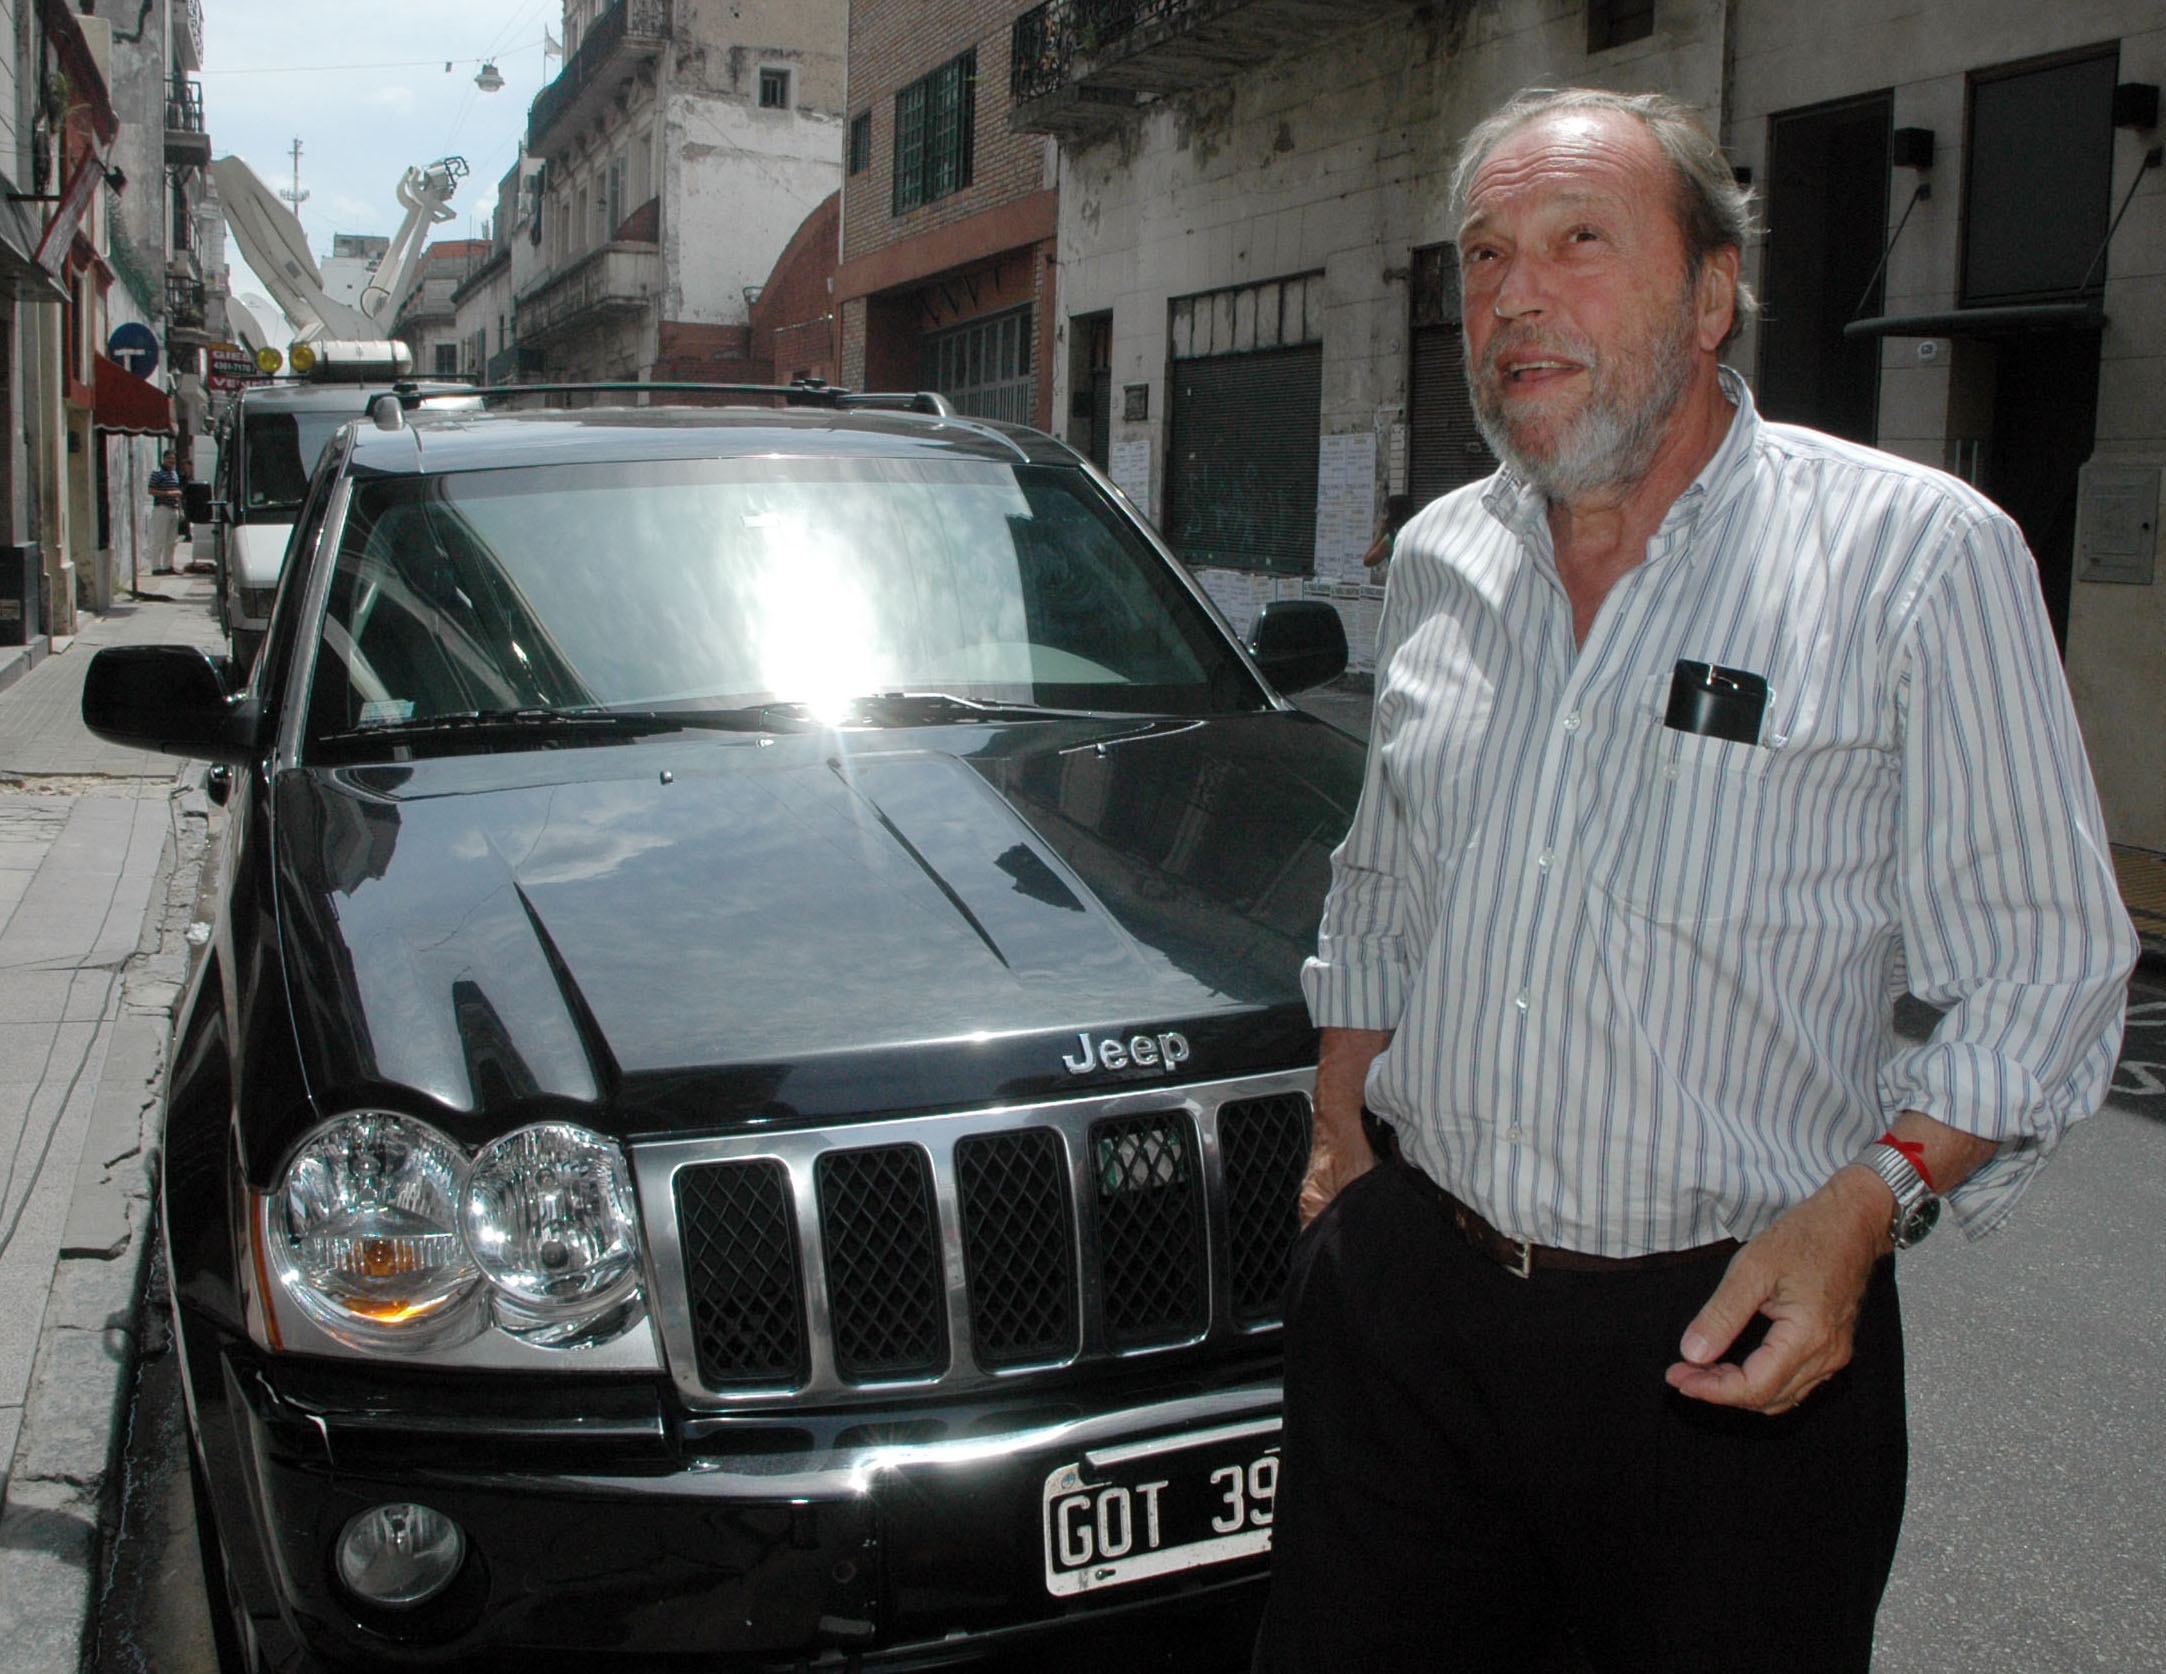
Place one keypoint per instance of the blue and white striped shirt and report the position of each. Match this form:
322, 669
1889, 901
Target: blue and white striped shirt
1641, 979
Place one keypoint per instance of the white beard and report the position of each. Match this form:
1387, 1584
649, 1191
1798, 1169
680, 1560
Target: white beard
1612, 440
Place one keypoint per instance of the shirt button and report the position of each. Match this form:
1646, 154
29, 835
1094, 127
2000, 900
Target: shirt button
1670, 772
1543, 859
1520, 999
1512, 1133
1571, 722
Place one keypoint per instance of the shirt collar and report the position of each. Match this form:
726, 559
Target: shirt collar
1523, 509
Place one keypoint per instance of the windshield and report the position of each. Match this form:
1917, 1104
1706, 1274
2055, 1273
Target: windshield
282, 449
815, 590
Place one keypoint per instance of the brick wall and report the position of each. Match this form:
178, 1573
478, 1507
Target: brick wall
892, 43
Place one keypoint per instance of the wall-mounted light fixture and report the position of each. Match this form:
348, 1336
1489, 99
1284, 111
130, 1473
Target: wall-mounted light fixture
1911, 148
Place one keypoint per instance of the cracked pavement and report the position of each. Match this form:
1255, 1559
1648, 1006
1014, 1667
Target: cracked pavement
100, 849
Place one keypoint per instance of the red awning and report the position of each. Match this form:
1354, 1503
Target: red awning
129, 404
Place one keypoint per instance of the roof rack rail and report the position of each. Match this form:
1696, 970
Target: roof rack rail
806, 392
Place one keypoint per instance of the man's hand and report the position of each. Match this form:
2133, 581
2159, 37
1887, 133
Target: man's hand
1339, 1151
1807, 1273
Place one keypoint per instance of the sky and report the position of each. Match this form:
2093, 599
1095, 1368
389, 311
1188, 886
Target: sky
363, 87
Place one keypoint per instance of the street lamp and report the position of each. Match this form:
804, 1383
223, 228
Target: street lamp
491, 79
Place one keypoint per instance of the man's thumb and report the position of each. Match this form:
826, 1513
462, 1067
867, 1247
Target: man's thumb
1716, 1326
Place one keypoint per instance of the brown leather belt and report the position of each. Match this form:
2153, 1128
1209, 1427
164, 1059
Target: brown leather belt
1516, 1255
1523, 1260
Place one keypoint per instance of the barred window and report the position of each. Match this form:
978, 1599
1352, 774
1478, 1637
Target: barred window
861, 142
934, 119
774, 89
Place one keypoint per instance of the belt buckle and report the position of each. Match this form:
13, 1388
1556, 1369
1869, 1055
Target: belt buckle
1520, 1263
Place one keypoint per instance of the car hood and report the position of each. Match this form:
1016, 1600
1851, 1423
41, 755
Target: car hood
705, 930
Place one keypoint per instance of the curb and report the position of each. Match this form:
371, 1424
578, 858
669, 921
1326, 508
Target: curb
61, 1488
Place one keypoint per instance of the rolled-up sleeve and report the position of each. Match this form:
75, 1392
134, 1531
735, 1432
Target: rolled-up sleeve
1359, 976
2012, 919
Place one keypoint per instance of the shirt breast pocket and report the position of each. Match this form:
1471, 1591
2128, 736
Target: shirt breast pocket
1688, 823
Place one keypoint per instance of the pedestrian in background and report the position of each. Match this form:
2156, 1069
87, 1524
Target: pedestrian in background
165, 515
1697, 740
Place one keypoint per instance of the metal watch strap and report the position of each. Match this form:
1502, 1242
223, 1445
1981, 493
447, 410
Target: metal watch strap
1917, 1205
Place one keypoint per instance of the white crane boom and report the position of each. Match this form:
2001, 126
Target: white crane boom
271, 239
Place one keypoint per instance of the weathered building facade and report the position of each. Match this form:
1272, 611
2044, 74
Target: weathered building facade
948, 277
1258, 286
426, 318
682, 146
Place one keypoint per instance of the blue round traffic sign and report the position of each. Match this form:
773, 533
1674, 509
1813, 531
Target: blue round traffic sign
135, 346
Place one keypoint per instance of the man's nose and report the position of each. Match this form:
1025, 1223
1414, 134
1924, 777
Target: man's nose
1520, 290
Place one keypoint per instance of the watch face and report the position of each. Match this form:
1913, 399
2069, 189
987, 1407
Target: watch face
1917, 1221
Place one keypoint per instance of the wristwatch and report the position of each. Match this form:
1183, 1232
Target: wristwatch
1917, 1205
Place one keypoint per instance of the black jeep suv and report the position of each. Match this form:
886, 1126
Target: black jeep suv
744, 1104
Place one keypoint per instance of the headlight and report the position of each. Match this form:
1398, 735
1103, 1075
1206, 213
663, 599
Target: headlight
366, 1229
549, 1217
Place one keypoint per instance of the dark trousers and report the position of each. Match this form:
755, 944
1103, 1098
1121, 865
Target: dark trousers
1484, 1472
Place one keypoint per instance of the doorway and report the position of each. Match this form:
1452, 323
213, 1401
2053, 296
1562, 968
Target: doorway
2045, 423
1827, 224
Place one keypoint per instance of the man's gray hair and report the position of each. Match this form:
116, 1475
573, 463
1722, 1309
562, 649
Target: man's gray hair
1713, 210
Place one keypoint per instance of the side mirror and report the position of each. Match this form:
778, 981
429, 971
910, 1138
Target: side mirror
170, 698
196, 501
1298, 643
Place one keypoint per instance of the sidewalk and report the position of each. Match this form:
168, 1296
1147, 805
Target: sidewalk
99, 852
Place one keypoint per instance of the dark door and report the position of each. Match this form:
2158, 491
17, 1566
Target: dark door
1827, 216
1445, 449
2045, 413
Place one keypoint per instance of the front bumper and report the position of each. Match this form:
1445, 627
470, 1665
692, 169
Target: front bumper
605, 1528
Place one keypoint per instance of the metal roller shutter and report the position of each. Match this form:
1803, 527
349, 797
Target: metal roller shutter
1241, 471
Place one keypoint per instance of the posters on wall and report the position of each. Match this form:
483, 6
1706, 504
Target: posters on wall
1130, 468
1345, 502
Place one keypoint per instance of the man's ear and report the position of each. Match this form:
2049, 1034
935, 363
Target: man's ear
1715, 295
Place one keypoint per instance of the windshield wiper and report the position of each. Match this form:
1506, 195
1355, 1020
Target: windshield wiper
484, 726
936, 708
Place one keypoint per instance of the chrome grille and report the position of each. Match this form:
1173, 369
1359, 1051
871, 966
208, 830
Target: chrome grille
956, 1251
1150, 1228
740, 1270
881, 1238
1265, 1143
1018, 1246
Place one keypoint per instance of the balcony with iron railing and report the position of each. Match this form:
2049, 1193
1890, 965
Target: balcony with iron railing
186, 140
1077, 67
618, 279
623, 40
187, 310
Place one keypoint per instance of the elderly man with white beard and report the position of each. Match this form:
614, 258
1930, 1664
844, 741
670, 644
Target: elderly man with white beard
1697, 740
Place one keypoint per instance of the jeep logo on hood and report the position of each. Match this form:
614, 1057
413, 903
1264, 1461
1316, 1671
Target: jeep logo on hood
1156, 1053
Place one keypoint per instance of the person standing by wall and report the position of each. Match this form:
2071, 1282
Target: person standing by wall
165, 497
1697, 741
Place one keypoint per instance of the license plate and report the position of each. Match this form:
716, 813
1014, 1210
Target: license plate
1129, 1512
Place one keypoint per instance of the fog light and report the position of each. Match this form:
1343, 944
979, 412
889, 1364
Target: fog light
400, 1555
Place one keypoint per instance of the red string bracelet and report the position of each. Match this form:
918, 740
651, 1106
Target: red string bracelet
1912, 1149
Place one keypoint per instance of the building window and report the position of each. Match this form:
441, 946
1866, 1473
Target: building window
861, 142
447, 360
774, 88
984, 367
1614, 23
934, 119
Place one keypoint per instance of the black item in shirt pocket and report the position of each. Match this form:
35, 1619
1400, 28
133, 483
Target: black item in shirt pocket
1712, 702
